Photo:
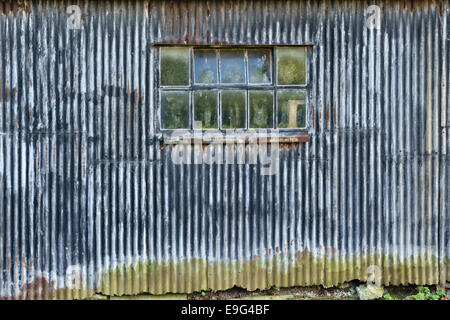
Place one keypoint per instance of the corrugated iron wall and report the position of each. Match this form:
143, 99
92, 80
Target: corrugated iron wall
90, 200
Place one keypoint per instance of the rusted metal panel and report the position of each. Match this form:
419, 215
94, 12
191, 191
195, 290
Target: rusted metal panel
91, 201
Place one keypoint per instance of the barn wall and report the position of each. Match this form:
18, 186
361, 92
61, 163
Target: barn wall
91, 201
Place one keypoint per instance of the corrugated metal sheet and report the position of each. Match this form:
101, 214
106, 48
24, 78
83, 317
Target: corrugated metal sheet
91, 201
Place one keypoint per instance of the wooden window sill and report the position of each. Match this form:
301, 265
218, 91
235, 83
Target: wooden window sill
301, 137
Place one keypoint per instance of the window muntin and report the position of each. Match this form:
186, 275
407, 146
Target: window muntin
233, 88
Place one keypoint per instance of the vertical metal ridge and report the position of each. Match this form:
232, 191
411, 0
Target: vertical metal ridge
445, 177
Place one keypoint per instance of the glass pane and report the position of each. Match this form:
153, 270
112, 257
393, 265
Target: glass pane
291, 65
233, 109
205, 108
232, 66
205, 66
174, 66
259, 69
291, 108
175, 109
261, 109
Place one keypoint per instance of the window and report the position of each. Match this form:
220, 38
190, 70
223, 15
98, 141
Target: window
233, 88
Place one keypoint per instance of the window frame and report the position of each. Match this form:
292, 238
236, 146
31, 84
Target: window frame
302, 134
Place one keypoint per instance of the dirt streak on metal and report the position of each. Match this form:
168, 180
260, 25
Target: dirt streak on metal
14, 7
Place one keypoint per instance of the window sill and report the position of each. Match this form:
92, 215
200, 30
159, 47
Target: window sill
300, 137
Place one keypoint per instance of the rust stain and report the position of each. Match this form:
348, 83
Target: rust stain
14, 7
84, 166
83, 11
313, 109
439, 6
30, 113
38, 288
7, 93
189, 41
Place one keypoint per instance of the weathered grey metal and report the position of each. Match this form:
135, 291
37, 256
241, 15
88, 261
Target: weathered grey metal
90, 200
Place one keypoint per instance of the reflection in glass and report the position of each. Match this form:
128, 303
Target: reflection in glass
261, 109
174, 66
174, 109
291, 65
205, 66
205, 108
233, 109
259, 70
291, 108
232, 66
